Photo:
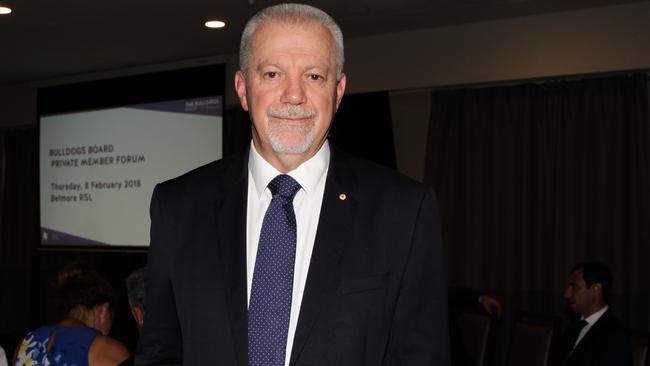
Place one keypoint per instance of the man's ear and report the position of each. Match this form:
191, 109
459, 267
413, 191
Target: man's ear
138, 315
240, 87
104, 311
340, 90
597, 288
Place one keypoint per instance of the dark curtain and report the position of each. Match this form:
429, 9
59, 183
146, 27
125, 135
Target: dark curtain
236, 130
534, 178
362, 127
19, 233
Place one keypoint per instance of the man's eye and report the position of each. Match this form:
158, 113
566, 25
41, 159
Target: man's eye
315, 77
271, 74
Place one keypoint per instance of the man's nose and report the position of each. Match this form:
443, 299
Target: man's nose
294, 91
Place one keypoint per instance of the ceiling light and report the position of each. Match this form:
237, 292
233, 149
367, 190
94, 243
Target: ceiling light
4, 10
215, 24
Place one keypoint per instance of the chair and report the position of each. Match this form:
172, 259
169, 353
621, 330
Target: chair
640, 341
533, 337
475, 332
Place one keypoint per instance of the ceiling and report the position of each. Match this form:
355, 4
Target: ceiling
44, 39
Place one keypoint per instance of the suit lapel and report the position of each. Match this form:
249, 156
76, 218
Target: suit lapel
230, 222
337, 212
593, 332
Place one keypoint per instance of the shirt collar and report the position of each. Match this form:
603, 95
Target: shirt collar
306, 174
593, 318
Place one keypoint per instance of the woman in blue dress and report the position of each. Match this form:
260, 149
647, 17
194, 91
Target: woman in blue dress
84, 303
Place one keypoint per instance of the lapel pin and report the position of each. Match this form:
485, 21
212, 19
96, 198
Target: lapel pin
343, 196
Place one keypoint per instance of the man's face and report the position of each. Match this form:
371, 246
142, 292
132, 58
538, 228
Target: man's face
581, 299
290, 89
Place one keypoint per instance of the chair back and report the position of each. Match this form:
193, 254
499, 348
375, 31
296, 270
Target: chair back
532, 340
640, 341
475, 332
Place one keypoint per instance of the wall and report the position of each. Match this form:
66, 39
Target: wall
578, 42
17, 106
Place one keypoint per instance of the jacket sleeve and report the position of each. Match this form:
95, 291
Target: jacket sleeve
160, 342
616, 349
419, 333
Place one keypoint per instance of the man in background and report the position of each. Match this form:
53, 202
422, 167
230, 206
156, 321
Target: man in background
136, 291
597, 338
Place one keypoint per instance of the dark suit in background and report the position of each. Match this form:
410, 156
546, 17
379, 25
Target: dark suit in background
605, 344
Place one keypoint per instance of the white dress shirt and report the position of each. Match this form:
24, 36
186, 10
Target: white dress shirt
311, 176
591, 320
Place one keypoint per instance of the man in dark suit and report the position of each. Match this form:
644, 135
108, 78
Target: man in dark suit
597, 338
357, 245
136, 292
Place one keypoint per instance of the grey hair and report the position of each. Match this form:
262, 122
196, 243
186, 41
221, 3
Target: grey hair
291, 14
135, 287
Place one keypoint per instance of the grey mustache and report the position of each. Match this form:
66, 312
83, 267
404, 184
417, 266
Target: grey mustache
291, 111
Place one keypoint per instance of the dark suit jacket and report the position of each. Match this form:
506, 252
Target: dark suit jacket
375, 291
605, 344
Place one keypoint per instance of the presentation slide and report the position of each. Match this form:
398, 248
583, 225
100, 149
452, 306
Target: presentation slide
98, 168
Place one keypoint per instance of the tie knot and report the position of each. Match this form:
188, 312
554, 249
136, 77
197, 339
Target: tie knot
582, 323
285, 186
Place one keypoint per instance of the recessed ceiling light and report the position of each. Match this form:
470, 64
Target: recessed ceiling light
4, 10
215, 24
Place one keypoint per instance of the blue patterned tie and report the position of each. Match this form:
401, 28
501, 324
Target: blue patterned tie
270, 302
